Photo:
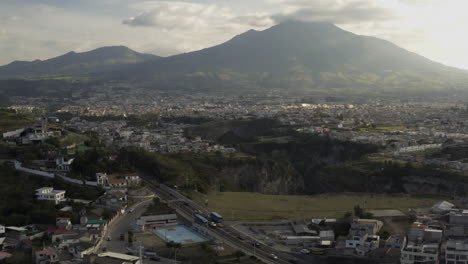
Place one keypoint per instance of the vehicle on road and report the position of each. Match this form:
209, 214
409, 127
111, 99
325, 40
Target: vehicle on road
131, 210
200, 219
217, 218
104, 249
241, 237
255, 244
304, 251
317, 251
155, 258
219, 225
212, 224
273, 256
109, 238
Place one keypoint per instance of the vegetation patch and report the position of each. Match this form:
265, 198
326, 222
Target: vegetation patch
242, 206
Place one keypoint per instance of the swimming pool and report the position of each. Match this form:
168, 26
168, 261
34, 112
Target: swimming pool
180, 234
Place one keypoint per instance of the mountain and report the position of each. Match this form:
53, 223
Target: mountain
299, 56
72, 63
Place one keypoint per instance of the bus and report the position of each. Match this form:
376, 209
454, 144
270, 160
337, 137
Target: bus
200, 219
217, 218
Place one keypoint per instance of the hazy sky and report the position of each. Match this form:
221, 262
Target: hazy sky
40, 29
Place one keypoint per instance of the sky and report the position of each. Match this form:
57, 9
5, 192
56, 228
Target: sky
41, 29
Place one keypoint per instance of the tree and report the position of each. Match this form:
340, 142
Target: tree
238, 254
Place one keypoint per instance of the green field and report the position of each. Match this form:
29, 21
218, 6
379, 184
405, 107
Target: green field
10, 121
237, 206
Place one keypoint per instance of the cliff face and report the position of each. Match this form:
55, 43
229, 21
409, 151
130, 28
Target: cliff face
265, 176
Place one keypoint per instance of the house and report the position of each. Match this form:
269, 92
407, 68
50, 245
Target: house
63, 164
395, 241
362, 230
49, 194
118, 181
46, 256
133, 180
63, 223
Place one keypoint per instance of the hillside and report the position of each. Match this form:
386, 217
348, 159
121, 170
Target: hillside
297, 56
72, 63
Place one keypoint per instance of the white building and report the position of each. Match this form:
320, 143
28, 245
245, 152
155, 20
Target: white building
419, 252
49, 194
362, 231
456, 252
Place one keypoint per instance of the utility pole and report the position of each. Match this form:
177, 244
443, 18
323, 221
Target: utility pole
140, 251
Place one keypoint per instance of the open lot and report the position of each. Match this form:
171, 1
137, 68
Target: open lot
243, 206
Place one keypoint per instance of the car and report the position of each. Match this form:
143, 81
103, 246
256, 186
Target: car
219, 225
155, 258
131, 210
255, 244
109, 238
241, 237
304, 251
212, 224
104, 249
273, 256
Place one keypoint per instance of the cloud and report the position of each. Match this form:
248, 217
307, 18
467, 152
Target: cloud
335, 11
184, 15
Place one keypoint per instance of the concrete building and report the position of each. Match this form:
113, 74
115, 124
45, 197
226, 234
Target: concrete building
155, 221
456, 252
459, 218
419, 252
49, 194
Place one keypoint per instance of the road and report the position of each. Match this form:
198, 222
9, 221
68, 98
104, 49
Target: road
122, 226
185, 208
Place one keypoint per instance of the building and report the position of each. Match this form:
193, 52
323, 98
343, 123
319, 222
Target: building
118, 258
63, 223
459, 218
442, 207
49, 194
155, 221
133, 180
423, 243
361, 231
47, 256
414, 252
2, 236
456, 252
63, 164
118, 181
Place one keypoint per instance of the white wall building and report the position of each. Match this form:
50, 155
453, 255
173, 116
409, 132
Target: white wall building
456, 252
414, 253
49, 194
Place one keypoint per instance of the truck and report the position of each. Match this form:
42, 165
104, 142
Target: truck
200, 219
217, 218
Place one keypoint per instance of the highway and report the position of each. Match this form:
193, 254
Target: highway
186, 208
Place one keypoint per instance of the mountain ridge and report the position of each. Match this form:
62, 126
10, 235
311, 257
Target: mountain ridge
72, 63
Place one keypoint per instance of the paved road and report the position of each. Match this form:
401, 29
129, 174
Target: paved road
186, 208
122, 226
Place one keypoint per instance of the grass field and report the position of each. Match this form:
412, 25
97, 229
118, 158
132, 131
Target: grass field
11, 121
259, 207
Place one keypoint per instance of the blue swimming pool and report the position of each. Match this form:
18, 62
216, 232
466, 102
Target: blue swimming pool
180, 234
